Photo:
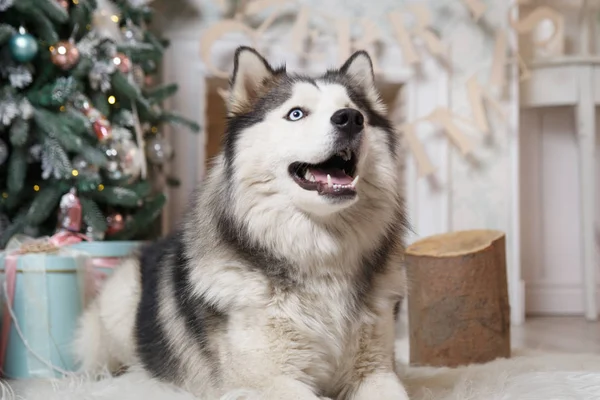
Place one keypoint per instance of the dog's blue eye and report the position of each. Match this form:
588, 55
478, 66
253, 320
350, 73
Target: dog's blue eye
295, 114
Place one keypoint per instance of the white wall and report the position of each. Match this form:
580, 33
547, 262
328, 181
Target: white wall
551, 247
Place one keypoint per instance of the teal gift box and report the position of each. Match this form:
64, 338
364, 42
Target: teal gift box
49, 293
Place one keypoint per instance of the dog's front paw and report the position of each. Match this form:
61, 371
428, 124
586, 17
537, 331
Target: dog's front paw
383, 386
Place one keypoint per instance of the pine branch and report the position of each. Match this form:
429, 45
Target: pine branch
141, 188
99, 102
142, 218
173, 181
124, 87
19, 132
55, 161
83, 68
78, 122
17, 170
17, 226
53, 10
170, 117
6, 32
54, 94
159, 94
92, 215
44, 204
116, 196
57, 127
40, 23
139, 52
93, 155
154, 41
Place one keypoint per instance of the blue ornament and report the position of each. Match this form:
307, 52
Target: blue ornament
23, 47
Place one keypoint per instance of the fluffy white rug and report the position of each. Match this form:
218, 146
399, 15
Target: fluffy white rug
527, 375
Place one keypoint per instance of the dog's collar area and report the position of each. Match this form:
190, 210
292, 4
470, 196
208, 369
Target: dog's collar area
335, 177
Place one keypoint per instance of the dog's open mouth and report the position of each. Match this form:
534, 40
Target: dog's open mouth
335, 176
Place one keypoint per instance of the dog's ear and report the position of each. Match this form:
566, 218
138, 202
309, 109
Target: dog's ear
359, 68
251, 73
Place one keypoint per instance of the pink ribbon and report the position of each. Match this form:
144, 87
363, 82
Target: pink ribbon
10, 270
62, 238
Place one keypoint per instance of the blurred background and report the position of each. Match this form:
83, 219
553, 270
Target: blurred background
517, 81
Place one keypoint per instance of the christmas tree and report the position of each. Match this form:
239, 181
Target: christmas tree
80, 119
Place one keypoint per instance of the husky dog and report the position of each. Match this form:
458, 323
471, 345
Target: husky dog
283, 278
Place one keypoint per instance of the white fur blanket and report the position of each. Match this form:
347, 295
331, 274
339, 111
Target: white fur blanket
526, 376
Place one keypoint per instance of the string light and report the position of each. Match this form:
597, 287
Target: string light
75, 2
154, 129
114, 18
5, 195
36, 188
112, 100
62, 108
74, 172
100, 187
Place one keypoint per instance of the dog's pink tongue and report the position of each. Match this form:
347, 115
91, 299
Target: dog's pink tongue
337, 176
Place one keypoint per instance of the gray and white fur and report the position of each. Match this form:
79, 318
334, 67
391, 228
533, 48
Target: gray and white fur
279, 281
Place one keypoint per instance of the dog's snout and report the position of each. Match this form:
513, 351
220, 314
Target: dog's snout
348, 121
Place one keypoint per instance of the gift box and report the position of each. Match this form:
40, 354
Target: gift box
104, 258
46, 285
42, 298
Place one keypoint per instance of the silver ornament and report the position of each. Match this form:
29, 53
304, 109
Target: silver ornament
124, 160
3, 152
158, 150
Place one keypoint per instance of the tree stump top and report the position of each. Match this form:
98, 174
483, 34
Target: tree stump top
454, 243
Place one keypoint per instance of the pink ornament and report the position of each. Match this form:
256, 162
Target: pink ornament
102, 129
115, 223
70, 213
122, 62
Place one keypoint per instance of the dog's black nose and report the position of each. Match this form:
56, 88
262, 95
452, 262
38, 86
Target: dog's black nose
348, 121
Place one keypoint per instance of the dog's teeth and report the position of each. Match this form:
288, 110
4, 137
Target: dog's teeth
354, 182
329, 182
309, 177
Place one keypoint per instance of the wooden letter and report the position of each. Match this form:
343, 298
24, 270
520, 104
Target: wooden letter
423, 19
214, 33
424, 166
476, 7
477, 96
528, 24
444, 117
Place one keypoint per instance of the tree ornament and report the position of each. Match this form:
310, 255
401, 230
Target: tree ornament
3, 151
138, 75
64, 4
70, 213
100, 124
115, 223
102, 129
124, 160
122, 62
158, 150
64, 54
23, 46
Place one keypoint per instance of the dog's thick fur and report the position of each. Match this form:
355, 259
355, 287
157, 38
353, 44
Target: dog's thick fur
268, 286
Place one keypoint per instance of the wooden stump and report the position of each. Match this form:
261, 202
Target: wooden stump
458, 299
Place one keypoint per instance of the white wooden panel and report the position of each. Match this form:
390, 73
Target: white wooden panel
551, 242
550, 86
531, 195
428, 198
181, 65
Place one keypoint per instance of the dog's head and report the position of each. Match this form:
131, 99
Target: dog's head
321, 144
